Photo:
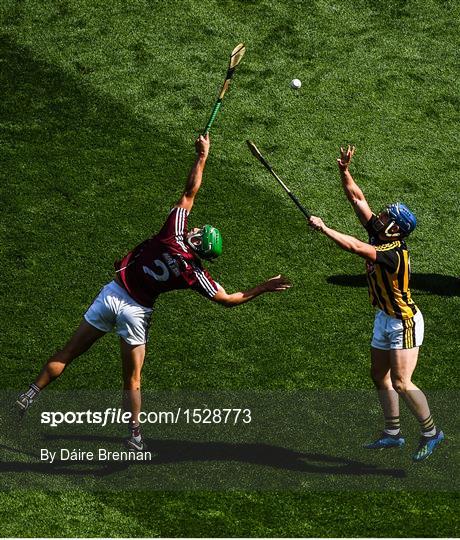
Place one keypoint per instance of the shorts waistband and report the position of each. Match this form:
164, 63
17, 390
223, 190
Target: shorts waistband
382, 313
121, 291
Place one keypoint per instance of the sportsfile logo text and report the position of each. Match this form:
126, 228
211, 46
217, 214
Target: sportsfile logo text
118, 416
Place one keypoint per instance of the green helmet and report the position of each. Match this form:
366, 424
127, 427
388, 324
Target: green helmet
207, 242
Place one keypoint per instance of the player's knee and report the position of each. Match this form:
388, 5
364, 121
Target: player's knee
400, 385
54, 368
132, 382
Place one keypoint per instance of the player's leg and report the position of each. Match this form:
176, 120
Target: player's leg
388, 398
403, 364
380, 374
82, 339
98, 320
133, 321
132, 361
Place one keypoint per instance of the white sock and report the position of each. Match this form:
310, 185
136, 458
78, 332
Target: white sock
391, 431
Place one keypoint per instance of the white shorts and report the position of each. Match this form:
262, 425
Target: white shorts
391, 333
114, 308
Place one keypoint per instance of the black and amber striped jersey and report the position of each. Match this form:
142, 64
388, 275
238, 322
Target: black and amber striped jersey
388, 277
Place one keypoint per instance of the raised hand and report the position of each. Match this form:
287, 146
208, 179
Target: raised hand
345, 157
202, 145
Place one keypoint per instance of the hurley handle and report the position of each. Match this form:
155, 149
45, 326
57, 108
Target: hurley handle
215, 110
299, 205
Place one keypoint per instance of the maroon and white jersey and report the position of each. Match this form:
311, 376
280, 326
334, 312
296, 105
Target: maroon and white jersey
164, 263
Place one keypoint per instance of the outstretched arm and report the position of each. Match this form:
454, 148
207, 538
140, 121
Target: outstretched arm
344, 241
196, 173
274, 284
351, 188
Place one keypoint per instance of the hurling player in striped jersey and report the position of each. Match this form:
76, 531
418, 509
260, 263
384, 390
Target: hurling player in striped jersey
168, 260
398, 326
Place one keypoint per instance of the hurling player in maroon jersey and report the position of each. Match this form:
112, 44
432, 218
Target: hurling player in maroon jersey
164, 262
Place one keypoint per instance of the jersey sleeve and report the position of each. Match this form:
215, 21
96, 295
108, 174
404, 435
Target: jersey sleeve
175, 225
204, 284
371, 227
388, 258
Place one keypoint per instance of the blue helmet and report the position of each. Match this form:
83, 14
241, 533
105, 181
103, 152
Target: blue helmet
403, 217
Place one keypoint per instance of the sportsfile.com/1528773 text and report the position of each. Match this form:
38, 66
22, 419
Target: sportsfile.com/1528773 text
180, 415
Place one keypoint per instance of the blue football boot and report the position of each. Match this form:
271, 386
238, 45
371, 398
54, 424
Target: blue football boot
427, 446
386, 441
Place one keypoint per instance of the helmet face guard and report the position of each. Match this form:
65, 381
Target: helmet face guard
385, 228
206, 242
398, 214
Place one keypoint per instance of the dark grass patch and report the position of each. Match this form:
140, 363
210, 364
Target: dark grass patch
98, 112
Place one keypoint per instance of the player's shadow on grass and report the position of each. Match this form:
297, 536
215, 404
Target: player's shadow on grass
82, 158
179, 451
431, 283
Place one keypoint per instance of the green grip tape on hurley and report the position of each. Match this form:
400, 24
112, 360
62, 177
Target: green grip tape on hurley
212, 117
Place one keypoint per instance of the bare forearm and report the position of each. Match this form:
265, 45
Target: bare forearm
274, 284
347, 243
344, 241
195, 176
238, 298
355, 196
351, 188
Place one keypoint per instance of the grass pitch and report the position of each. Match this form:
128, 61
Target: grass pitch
100, 103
